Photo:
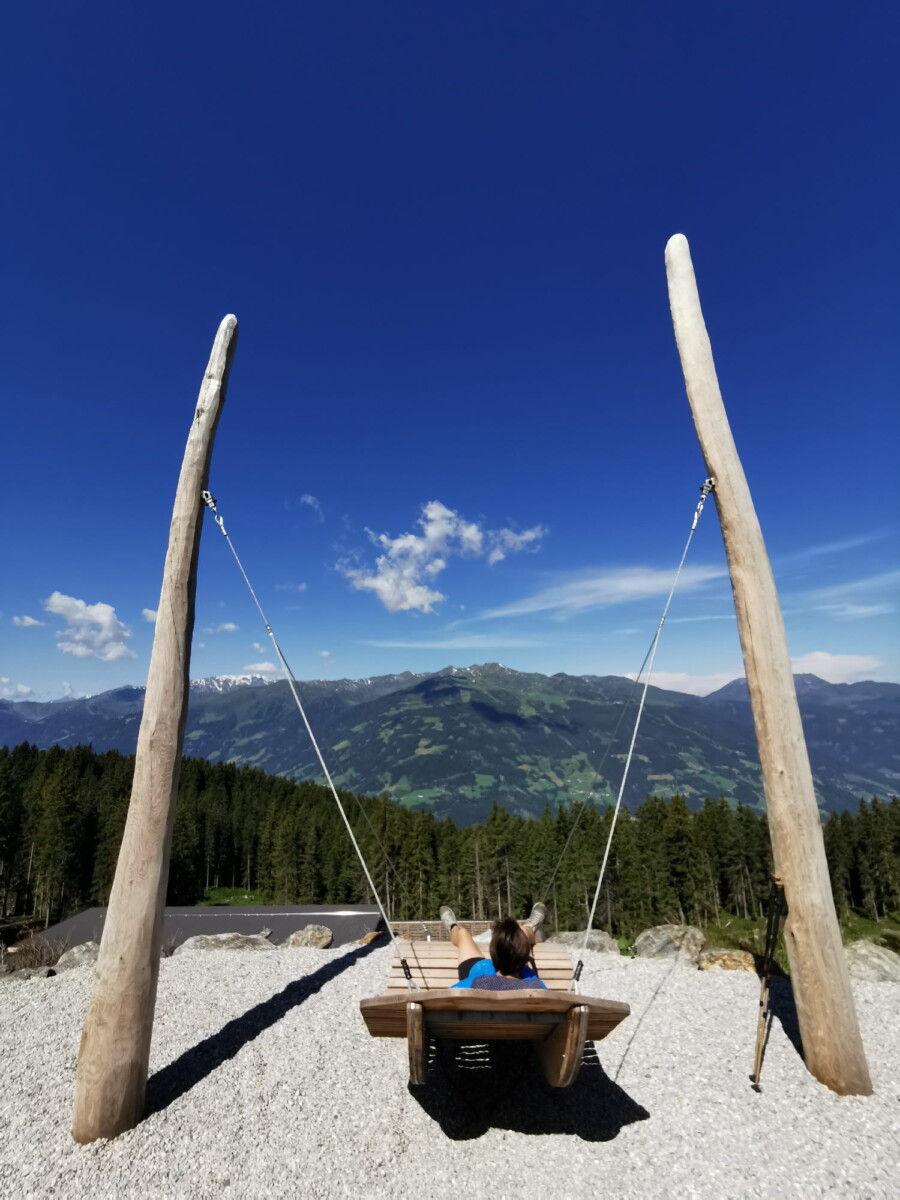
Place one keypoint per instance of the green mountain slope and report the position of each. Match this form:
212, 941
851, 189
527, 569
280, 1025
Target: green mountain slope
458, 740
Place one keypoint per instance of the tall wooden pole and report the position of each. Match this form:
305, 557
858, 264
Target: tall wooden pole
113, 1058
832, 1046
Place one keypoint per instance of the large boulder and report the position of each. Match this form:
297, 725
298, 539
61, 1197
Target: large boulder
682, 942
319, 936
598, 940
79, 956
225, 941
874, 963
727, 960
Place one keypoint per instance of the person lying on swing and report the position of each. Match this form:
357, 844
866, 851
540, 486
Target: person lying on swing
511, 963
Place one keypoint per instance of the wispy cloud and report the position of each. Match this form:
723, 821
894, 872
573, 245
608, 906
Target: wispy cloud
870, 597
290, 587
13, 691
26, 622
693, 685
505, 541
260, 649
839, 547
150, 615
599, 589
313, 503
261, 668
222, 627
833, 668
326, 654
404, 573
706, 617
836, 668
475, 641
92, 630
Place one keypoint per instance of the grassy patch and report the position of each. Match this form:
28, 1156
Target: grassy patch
885, 933
237, 897
424, 747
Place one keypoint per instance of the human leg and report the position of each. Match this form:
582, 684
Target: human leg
465, 944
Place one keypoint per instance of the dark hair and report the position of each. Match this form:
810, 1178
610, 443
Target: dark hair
510, 948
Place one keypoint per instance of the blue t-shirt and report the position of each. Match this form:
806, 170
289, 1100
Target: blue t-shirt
486, 967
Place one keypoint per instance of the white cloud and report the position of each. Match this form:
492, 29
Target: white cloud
324, 654
851, 543
404, 573
26, 622
291, 587
836, 668
13, 691
859, 598
150, 615
694, 685
67, 689
603, 588
314, 504
259, 648
222, 627
505, 541
261, 668
475, 641
92, 630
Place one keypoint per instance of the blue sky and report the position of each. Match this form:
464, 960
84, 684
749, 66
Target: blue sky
456, 430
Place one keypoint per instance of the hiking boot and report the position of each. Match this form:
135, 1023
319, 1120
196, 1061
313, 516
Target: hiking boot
448, 917
535, 918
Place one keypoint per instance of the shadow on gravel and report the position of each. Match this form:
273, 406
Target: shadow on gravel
471, 1089
204, 1058
783, 1008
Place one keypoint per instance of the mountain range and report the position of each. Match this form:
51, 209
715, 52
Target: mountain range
461, 738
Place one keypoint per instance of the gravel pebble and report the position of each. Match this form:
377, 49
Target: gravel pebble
264, 1082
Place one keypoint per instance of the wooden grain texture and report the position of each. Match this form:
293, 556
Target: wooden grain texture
434, 965
561, 1053
832, 1045
113, 1057
417, 1044
465, 1014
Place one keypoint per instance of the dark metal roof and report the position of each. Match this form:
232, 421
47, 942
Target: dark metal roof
347, 922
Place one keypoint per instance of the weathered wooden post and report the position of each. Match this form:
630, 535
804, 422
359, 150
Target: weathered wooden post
115, 1046
832, 1046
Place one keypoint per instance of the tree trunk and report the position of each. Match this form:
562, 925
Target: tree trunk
115, 1046
832, 1045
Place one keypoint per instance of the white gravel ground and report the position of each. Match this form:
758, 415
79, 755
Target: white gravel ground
264, 1082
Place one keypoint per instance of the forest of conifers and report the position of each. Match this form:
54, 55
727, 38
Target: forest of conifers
62, 813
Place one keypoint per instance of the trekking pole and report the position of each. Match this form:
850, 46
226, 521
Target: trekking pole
777, 910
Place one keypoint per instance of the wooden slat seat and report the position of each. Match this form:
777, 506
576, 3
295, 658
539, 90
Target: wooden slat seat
468, 1015
433, 965
558, 1019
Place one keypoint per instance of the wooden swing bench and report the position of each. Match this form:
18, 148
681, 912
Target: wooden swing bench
559, 1021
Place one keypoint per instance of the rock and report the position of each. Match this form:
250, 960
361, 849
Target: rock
670, 941
318, 936
225, 941
598, 940
369, 937
727, 960
874, 963
79, 956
